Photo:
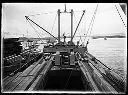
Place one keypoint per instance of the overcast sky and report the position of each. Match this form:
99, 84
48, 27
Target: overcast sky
107, 20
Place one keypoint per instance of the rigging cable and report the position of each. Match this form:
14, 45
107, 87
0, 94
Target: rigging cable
68, 79
81, 32
36, 31
72, 38
120, 16
41, 13
80, 39
45, 13
53, 23
71, 70
78, 24
91, 23
27, 27
78, 30
89, 28
40, 26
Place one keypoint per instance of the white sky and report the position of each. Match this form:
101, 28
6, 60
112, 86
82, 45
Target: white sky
107, 20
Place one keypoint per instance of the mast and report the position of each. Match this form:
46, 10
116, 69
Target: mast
78, 24
71, 24
65, 11
58, 25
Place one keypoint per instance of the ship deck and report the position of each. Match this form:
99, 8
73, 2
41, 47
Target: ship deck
44, 76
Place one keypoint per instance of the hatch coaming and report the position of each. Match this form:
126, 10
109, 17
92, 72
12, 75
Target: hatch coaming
66, 48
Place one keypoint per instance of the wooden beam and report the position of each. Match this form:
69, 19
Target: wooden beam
87, 75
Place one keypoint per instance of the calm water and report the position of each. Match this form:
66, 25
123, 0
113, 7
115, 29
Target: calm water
112, 52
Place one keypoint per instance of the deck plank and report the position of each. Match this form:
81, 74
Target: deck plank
6, 78
10, 79
87, 73
21, 84
31, 77
42, 65
14, 83
48, 63
36, 83
32, 73
25, 79
46, 68
27, 83
40, 60
28, 70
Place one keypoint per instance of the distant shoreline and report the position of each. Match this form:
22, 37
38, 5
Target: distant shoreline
117, 36
93, 37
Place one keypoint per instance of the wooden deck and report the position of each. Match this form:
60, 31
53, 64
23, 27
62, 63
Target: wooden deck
30, 78
96, 75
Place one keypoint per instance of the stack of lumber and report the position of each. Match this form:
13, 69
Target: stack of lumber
29, 78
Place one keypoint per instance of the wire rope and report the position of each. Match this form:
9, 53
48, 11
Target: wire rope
120, 16
68, 79
53, 23
36, 31
91, 23
78, 29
